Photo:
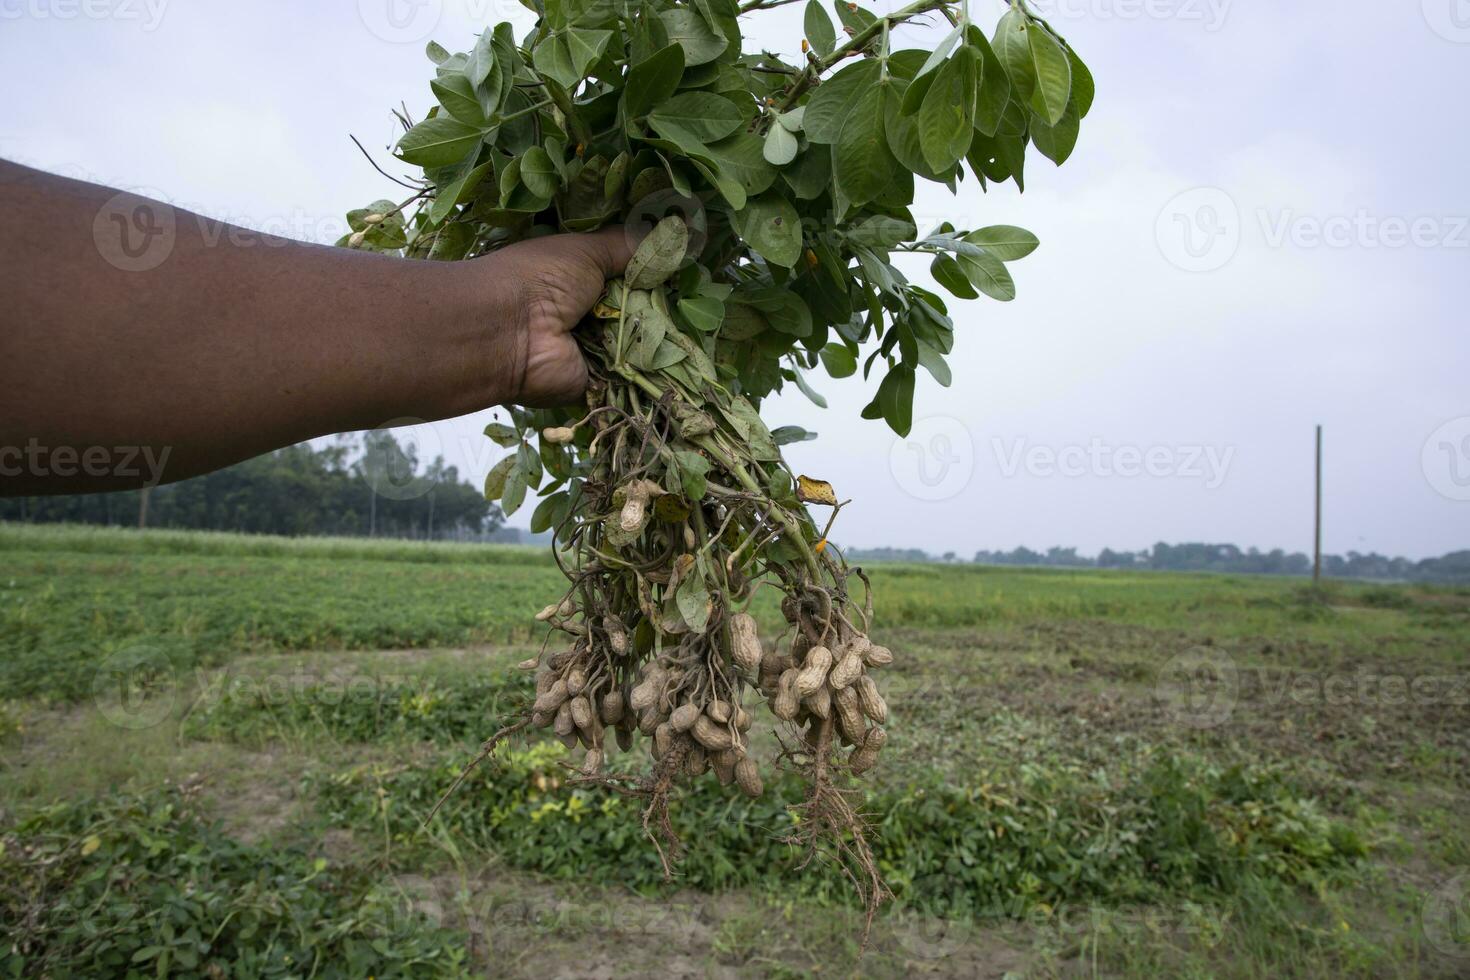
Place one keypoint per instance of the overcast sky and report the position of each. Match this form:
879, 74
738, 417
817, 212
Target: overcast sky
1264, 227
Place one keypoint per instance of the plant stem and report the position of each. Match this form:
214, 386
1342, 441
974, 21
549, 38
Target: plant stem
524, 112
742, 474
856, 43
751, 6
563, 101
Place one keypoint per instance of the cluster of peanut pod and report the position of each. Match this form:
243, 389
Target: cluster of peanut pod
692, 714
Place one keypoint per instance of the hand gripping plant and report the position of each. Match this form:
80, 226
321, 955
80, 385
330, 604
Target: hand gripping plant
776, 194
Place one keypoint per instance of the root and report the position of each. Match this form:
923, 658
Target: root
831, 828
486, 750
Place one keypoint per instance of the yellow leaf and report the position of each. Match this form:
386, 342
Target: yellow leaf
91, 844
810, 491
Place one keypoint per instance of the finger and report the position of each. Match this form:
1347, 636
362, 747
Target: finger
611, 248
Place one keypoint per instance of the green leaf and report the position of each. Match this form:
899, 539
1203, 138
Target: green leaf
457, 96
787, 434
948, 273
1005, 242
436, 52
747, 422
704, 313
693, 599
438, 142
1084, 89
1053, 75
659, 255
853, 17
947, 115
819, 30
1056, 143
481, 60
692, 470
809, 391
896, 398
546, 513
538, 173
781, 145
862, 164
933, 362
901, 128
647, 327
995, 85
940, 52
810, 176
515, 491
730, 188
1013, 47
741, 157
530, 465
450, 197
503, 435
586, 48
495, 479
554, 61
770, 225
989, 275
883, 231
839, 361
913, 95
653, 80
687, 29
697, 117
835, 99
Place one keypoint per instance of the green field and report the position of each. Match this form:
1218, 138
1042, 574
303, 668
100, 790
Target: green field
1089, 773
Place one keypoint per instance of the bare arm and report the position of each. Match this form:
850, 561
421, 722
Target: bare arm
125, 323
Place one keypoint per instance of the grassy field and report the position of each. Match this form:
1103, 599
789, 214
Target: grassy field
1089, 774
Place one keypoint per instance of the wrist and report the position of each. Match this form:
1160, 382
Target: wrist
457, 346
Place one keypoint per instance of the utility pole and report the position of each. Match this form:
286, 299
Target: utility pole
143, 507
1317, 537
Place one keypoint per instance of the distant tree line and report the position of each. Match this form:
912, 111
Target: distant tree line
370, 487
1451, 568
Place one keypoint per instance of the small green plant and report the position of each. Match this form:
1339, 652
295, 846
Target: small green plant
131, 886
775, 196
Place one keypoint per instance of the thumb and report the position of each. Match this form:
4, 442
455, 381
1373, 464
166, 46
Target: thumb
611, 248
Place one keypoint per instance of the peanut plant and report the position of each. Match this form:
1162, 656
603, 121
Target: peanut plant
774, 197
